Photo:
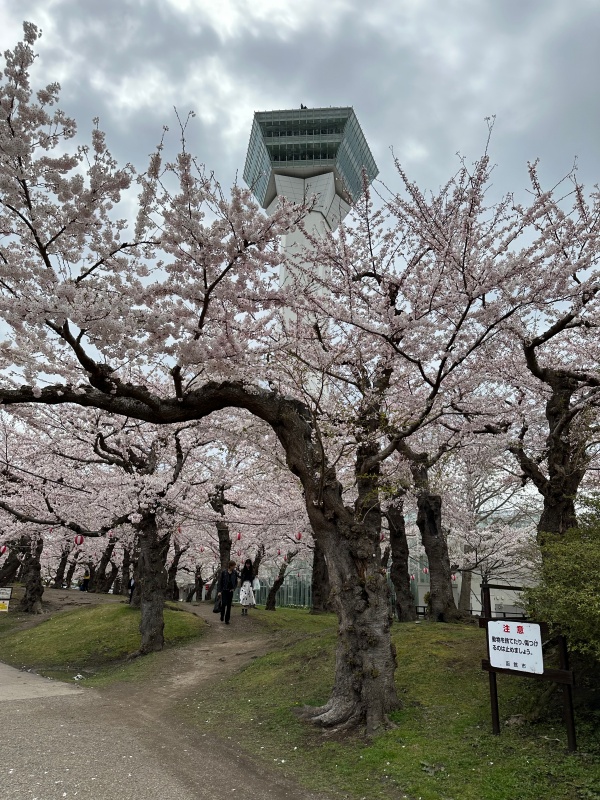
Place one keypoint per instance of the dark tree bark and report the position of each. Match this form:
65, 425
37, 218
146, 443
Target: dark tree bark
153, 582
126, 571
399, 573
59, 578
196, 589
260, 554
278, 582
320, 582
12, 563
217, 501
72, 568
429, 523
566, 456
98, 577
31, 602
172, 588
109, 579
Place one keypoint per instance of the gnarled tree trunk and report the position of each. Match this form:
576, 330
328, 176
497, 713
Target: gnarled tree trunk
61, 569
172, 588
399, 573
153, 582
31, 602
72, 568
320, 582
278, 582
98, 577
12, 563
429, 523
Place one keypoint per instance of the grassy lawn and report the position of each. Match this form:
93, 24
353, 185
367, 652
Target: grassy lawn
442, 748
88, 639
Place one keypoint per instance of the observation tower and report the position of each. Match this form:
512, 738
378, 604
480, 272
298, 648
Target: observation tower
308, 152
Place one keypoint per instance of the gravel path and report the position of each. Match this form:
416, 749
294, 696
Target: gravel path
121, 743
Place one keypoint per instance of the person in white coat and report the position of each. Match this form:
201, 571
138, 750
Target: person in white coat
246, 594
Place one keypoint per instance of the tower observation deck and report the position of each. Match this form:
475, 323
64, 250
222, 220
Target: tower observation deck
306, 152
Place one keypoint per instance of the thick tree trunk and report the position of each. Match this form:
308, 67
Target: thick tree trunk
277, 584
464, 599
12, 563
98, 577
172, 588
31, 602
260, 554
109, 579
125, 571
198, 582
399, 573
566, 452
71, 570
218, 501
363, 692
153, 583
61, 569
429, 523
320, 582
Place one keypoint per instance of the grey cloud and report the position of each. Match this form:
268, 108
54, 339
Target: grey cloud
421, 77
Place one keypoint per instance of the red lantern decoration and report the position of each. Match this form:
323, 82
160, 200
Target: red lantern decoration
239, 536
179, 529
382, 537
2, 550
279, 552
201, 549
298, 536
425, 570
285, 558
79, 539
412, 577
454, 577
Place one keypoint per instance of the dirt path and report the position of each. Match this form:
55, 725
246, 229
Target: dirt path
123, 742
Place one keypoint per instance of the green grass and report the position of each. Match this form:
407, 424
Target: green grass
87, 639
442, 748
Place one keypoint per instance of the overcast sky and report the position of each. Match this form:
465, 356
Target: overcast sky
420, 74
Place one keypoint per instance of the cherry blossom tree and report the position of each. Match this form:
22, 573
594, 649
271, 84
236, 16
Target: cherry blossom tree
176, 319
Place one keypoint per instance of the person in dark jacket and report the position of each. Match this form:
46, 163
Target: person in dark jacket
227, 584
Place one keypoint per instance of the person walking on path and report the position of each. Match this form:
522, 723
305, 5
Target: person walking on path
227, 583
246, 594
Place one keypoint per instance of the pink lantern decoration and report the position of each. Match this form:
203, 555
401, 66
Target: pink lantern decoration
2, 550
298, 536
425, 570
239, 536
412, 577
285, 558
79, 539
454, 577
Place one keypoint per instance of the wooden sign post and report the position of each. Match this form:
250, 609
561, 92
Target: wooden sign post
515, 648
